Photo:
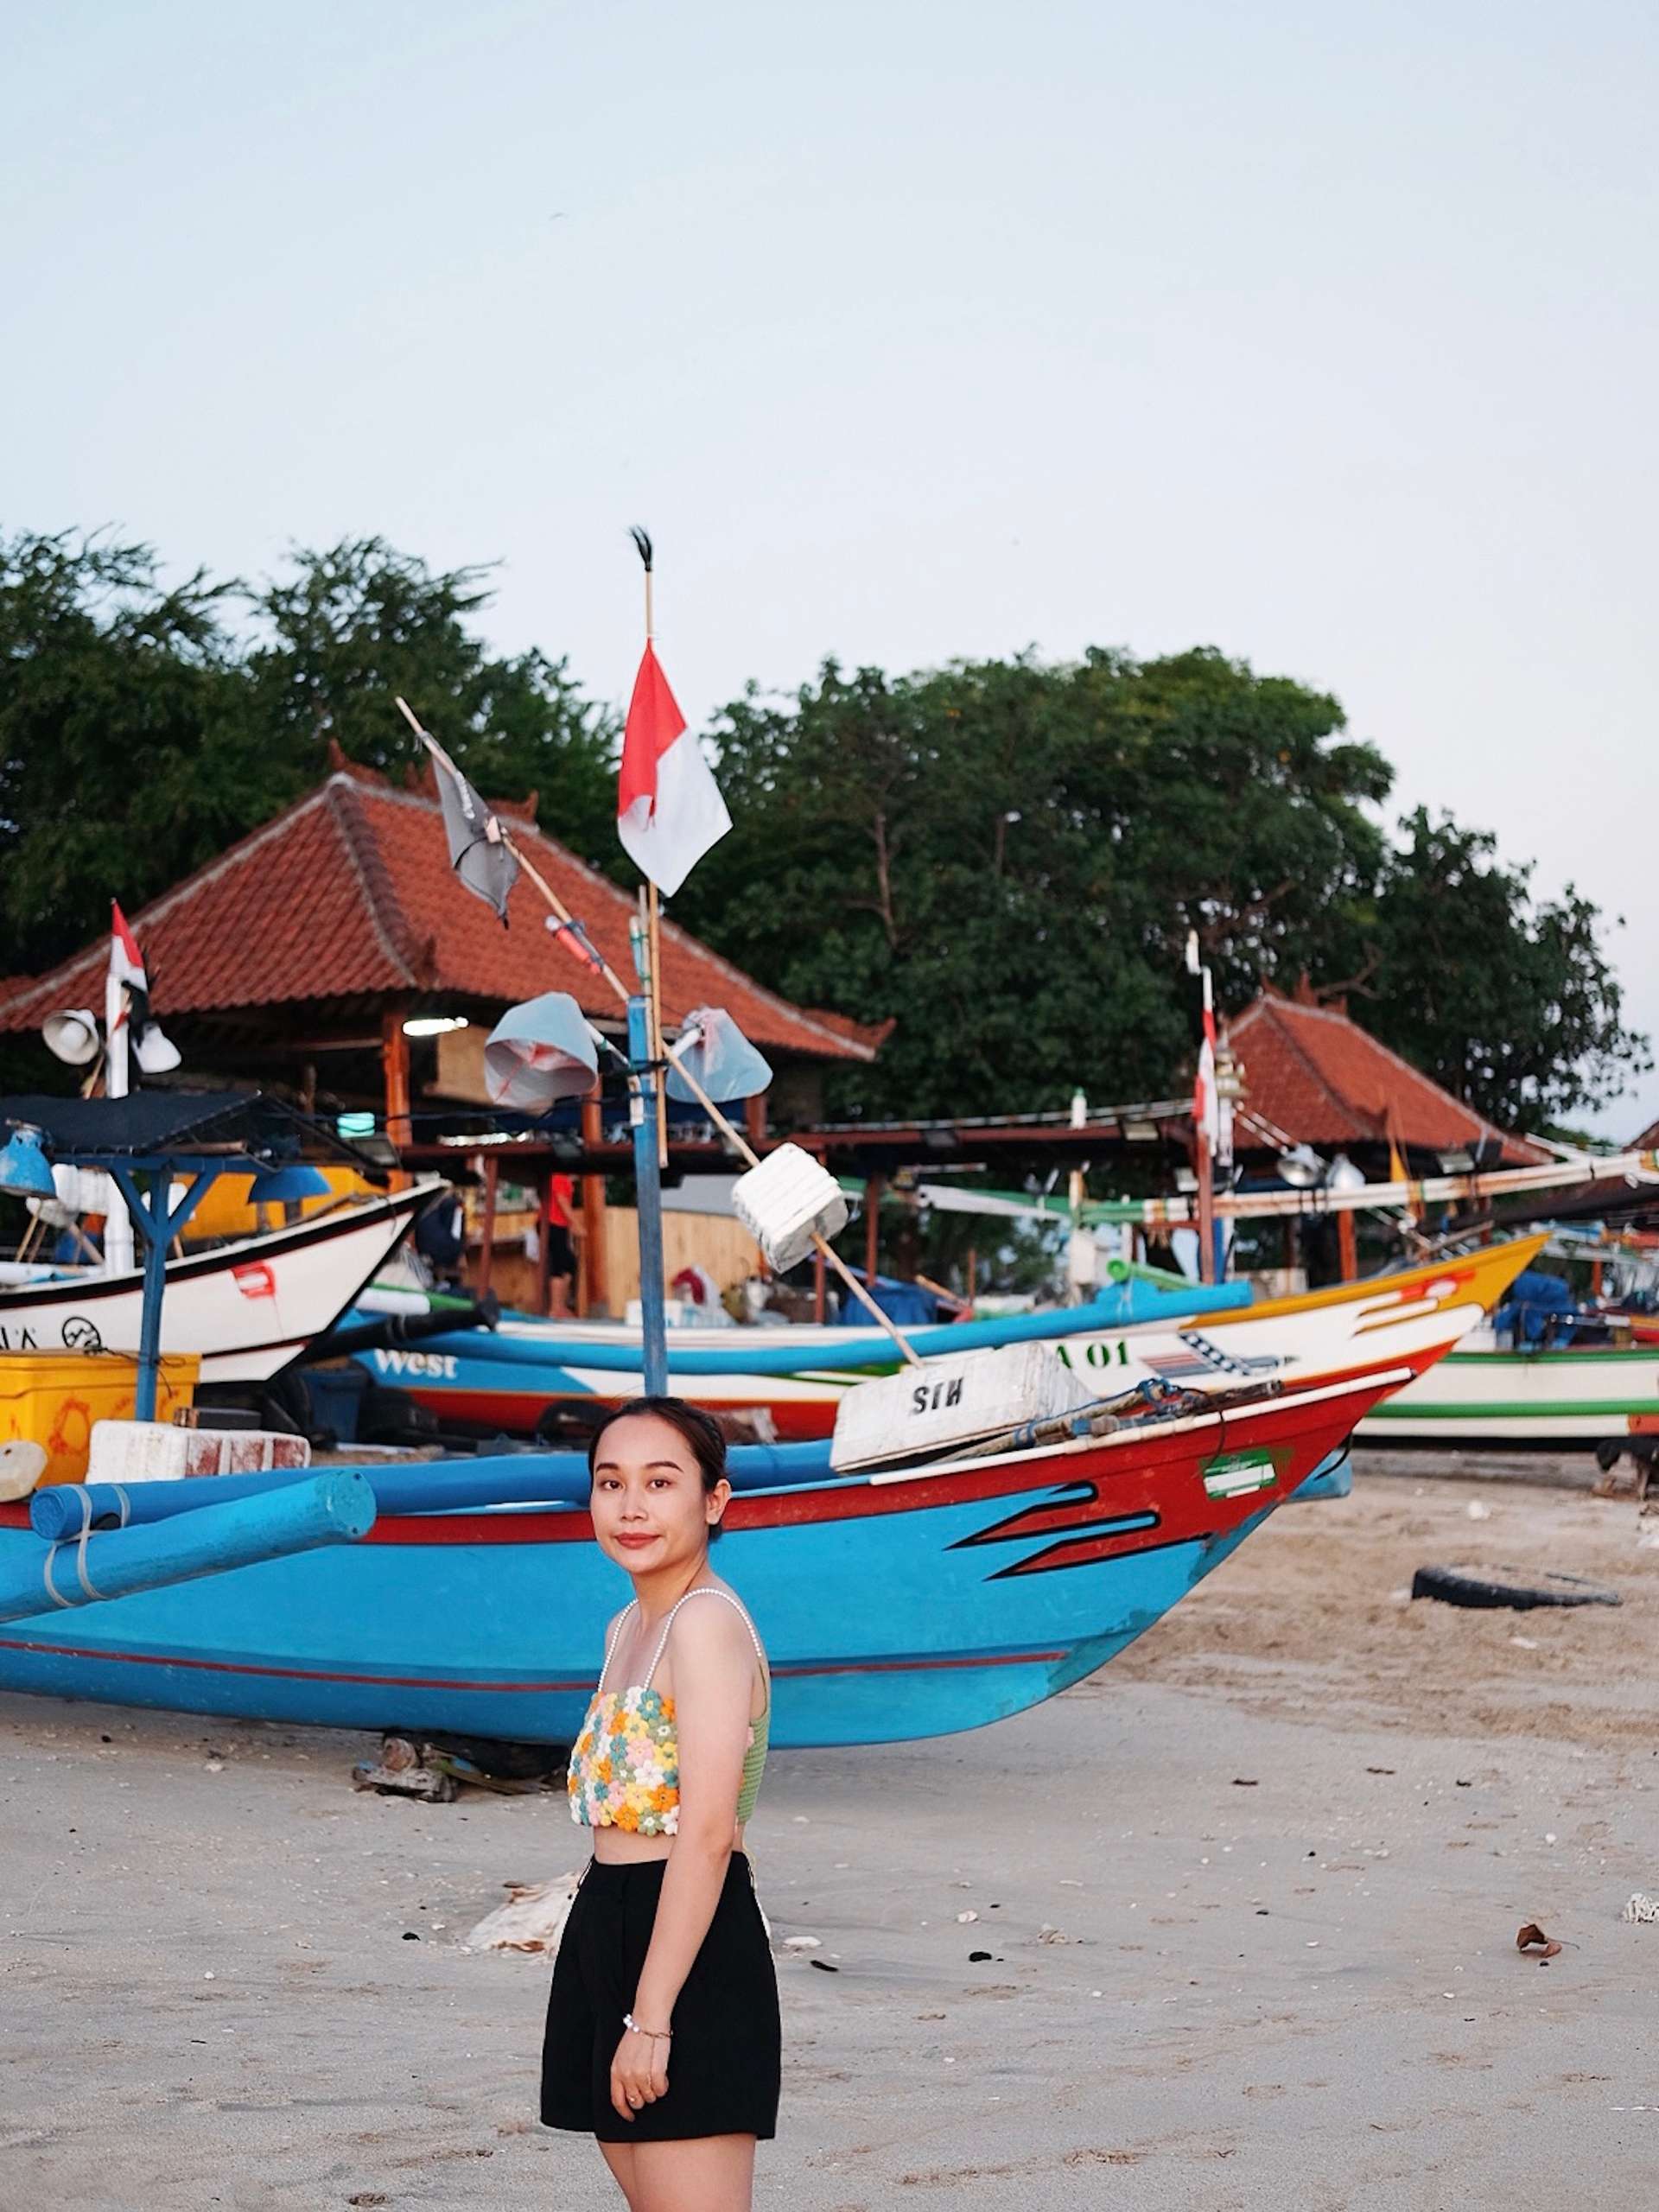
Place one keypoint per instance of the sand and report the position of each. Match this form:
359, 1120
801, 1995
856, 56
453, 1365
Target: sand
1250, 1899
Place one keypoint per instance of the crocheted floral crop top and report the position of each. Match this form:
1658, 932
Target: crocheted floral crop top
624, 1767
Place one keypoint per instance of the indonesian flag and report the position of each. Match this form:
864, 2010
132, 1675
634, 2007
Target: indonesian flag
127, 968
126, 1003
669, 809
1206, 1102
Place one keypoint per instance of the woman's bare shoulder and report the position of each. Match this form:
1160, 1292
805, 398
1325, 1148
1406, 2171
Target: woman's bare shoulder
712, 1631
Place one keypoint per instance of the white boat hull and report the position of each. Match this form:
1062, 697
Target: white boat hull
508, 1378
1482, 1395
247, 1307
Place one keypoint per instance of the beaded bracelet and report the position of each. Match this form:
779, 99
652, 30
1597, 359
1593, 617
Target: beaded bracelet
651, 2035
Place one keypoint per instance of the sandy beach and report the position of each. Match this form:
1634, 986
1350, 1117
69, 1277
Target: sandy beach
1249, 1899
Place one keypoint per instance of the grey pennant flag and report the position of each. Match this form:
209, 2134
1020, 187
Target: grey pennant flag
478, 852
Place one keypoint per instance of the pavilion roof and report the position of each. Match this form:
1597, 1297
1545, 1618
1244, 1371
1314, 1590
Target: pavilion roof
349, 894
1323, 1081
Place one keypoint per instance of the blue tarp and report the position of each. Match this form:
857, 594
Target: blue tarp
1538, 1309
909, 1304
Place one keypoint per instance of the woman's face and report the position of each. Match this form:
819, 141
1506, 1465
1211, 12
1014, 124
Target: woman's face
651, 1511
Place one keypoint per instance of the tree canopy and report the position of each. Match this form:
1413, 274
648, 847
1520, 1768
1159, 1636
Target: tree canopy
143, 727
1005, 857
1509, 1004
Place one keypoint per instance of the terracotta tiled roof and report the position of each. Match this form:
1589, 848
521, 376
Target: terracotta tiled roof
1648, 1140
1323, 1081
350, 893
872, 1033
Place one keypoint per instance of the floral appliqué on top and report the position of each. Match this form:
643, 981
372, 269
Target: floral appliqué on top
625, 1768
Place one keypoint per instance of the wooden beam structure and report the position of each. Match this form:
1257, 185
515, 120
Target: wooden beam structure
394, 1064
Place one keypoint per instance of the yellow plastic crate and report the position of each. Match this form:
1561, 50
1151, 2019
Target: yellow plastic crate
52, 1398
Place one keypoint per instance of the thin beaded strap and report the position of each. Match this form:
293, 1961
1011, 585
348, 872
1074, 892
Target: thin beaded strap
706, 1591
615, 1638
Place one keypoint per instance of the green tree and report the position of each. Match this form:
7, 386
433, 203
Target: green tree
142, 728
1510, 1005
352, 629
124, 759
1006, 857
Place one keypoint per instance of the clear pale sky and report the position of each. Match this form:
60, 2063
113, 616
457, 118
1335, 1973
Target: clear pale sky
1325, 335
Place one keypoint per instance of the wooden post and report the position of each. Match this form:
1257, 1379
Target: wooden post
973, 1271
1204, 1168
817, 1286
592, 1290
754, 1120
873, 1186
394, 1062
486, 1255
1347, 1246
544, 1242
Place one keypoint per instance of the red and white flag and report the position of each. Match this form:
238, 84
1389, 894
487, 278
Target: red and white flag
126, 1003
669, 809
1206, 1100
127, 962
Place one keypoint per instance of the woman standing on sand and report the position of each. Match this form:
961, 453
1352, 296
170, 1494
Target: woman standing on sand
663, 2037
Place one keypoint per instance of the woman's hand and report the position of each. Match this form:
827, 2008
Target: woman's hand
639, 2072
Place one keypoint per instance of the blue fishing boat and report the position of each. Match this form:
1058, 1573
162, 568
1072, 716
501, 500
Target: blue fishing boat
894, 1605
523, 1373
508, 1378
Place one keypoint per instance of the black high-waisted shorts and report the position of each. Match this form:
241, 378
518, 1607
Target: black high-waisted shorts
724, 2061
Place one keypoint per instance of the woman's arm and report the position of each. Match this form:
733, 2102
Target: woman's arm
713, 1680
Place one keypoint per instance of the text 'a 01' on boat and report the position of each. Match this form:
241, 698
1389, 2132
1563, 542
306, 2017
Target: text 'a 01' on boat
517, 1374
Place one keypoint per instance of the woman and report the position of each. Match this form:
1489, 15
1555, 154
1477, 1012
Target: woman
663, 2037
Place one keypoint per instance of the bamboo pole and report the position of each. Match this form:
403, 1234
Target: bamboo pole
652, 939
593, 1278
1401, 1195
653, 902
486, 1255
1204, 1167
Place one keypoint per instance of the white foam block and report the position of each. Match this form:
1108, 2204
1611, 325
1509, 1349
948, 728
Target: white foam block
155, 1451
786, 1201
950, 1402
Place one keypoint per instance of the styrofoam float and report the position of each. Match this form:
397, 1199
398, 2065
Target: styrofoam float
157, 1450
950, 1404
786, 1202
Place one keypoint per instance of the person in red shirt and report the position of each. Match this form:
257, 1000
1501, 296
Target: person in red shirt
561, 1245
